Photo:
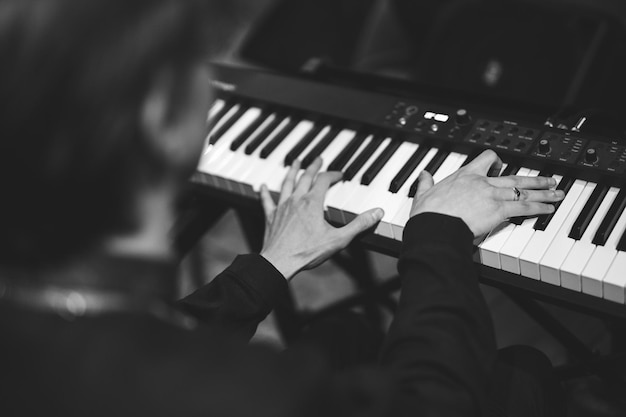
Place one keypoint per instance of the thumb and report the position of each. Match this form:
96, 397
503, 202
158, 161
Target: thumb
361, 223
424, 184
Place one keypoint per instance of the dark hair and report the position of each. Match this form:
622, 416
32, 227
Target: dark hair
73, 75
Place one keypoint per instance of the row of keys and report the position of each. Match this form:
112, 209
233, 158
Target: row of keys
581, 246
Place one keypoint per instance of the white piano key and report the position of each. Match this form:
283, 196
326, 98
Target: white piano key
401, 216
237, 171
336, 194
272, 171
213, 153
373, 193
215, 108
353, 192
614, 284
593, 275
490, 247
244, 121
218, 124
452, 164
234, 170
517, 241
251, 176
274, 178
397, 200
550, 264
222, 155
541, 240
379, 195
315, 141
335, 147
575, 262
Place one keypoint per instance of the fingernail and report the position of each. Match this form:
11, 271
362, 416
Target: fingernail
560, 194
552, 208
378, 214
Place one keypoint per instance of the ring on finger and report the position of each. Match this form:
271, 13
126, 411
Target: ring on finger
517, 193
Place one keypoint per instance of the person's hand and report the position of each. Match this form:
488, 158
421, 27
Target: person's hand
297, 236
484, 202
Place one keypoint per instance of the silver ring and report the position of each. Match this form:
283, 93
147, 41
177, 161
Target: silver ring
517, 194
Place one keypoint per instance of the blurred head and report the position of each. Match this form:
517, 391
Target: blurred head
98, 99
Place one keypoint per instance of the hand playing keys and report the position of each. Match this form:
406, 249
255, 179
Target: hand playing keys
484, 202
297, 237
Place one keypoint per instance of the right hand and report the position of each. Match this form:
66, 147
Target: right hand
484, 202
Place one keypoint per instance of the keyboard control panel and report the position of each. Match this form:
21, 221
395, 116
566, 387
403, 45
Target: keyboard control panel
607, 156
502, 136
560, 147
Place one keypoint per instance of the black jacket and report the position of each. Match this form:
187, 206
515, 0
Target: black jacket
141, 359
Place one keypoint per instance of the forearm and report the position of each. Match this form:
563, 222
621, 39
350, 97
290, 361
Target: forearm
239, 298
441, 344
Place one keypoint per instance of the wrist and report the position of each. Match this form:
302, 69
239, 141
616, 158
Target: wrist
282, 265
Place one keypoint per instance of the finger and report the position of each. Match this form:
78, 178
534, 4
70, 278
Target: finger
304, 184
289, 182
323, 182
545, 196
483, 163
531, 183
361, 223
425, 183
267, 202
526, 208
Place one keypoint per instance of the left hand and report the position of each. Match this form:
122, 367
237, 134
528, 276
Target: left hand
297, 236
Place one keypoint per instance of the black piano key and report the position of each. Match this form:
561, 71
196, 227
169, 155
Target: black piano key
362, 158
591, 207
408, 168
306, 140
320, 147
279, 138
544, 220
517, 220
432, 167
380, 162
621, 245
248, 131
546, 172
413, 189
510, 169
344, 156
609, 221
264, 134
436, 162
215, 136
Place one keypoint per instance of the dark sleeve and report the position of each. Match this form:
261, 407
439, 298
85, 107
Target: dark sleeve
440, 346
239, 298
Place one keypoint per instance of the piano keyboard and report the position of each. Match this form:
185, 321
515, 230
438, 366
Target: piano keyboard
580, 247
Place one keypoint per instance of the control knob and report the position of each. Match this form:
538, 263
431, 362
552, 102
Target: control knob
591, 156
544, 146
462, 117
